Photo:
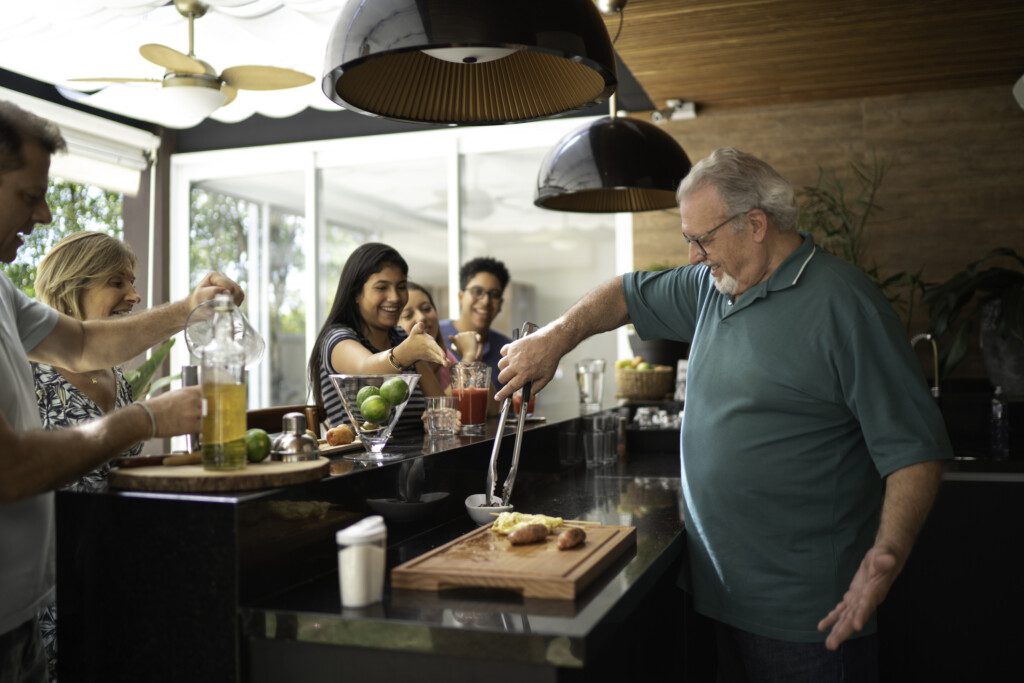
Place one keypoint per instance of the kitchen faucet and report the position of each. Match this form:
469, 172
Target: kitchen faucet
935, 358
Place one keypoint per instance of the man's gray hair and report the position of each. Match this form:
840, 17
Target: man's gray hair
743, 182
18, 126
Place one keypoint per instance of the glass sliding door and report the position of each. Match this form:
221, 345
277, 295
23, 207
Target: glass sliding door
282, 220
252, 228
402, 204
553, 257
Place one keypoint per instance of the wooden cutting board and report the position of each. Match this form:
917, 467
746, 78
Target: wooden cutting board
194, 479
485, 559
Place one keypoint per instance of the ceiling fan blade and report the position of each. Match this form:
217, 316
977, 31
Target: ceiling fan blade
264, 77
230, 92
169, 58
113, 80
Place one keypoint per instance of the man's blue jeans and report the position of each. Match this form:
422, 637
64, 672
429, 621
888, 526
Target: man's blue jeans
745, 657
21, 655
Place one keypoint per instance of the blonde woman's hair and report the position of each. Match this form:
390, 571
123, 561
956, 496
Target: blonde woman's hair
77, 262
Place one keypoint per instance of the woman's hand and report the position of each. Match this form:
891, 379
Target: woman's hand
467, 345
420, 346
213, 284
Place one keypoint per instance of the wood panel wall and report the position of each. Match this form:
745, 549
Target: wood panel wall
955, 188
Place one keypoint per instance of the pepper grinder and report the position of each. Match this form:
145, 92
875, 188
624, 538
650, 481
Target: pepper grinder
190, 378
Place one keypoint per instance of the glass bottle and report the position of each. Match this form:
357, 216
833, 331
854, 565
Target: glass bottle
999, 427
222, 368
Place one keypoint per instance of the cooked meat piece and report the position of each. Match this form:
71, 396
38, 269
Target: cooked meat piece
528, 533
571, 537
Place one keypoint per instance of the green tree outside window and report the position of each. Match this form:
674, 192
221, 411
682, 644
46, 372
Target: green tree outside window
75, 207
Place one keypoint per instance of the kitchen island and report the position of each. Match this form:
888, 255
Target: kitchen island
244, 587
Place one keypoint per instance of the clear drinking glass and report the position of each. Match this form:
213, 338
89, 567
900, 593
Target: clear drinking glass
590, 377
441, 415
470, 385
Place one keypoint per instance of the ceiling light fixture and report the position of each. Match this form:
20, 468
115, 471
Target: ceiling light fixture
612, 165
190, 89
468, 61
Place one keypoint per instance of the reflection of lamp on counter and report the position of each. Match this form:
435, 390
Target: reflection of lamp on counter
488, 620
411, 504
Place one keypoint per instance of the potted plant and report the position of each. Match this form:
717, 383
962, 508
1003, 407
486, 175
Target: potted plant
997, 293
141, 378
837, 217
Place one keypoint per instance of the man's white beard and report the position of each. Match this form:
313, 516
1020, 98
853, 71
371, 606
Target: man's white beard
726, 284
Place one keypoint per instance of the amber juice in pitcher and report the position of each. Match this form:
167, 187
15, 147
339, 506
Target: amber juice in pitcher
223, 429
223, 385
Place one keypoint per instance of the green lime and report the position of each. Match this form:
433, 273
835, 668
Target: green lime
644, 367
375, 409
365, 393
257, 445
370, 426
395, 390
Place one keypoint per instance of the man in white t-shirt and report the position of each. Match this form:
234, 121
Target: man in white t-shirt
34, 462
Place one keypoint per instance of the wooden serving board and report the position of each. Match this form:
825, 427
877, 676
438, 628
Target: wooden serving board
356, 445
485, 559
194, 479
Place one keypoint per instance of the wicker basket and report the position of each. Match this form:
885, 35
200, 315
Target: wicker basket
647, 385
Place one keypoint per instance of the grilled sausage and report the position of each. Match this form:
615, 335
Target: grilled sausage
528, 533
571, 537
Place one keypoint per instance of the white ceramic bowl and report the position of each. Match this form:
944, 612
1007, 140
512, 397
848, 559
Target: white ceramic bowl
485, 515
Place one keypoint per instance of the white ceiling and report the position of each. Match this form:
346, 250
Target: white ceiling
54, 40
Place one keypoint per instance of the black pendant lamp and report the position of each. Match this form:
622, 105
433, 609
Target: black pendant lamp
468, 61
612, 165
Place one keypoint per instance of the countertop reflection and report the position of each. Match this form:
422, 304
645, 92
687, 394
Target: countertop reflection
644, 493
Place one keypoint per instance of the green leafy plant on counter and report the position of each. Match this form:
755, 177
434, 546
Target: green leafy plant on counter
949, 312
141, 378
838, 218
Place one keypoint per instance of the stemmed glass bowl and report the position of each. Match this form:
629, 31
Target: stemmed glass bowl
374, 404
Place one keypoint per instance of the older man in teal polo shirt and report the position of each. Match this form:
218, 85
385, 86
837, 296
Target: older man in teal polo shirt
810, 446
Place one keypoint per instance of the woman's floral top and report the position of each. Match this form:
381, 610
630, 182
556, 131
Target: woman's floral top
62, 404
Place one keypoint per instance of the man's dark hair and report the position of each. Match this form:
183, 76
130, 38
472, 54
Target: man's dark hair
483, 264
18, 126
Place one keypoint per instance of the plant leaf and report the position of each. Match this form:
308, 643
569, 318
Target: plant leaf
140, 377
958, 349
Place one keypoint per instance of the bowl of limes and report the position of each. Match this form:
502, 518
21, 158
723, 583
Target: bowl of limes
374, 404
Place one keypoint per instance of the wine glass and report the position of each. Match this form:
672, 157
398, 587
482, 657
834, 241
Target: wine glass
374, 404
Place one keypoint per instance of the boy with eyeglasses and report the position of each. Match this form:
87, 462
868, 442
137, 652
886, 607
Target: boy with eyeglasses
482, 283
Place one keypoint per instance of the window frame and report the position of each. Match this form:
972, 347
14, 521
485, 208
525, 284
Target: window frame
312, 158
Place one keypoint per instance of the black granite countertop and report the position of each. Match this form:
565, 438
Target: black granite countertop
643, 492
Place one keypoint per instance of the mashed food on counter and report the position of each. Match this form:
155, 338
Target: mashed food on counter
507, 521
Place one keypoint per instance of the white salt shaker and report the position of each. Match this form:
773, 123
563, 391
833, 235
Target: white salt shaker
361, 553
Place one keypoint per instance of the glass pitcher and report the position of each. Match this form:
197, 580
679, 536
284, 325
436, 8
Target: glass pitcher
222, 377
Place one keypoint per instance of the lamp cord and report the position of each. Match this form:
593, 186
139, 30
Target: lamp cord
621, 13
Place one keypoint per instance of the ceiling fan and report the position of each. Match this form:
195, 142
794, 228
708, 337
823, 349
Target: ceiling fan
206, 90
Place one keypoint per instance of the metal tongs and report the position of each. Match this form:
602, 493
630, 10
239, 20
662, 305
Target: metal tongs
492, 469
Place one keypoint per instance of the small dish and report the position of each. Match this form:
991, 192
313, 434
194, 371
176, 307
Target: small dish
485, 515
395, 510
